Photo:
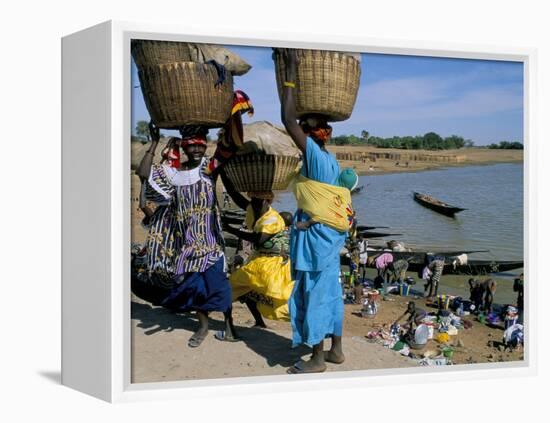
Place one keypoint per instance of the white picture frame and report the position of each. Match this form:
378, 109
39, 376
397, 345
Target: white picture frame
96, 96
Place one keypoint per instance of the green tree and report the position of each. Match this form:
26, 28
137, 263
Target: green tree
142, 130
433, 141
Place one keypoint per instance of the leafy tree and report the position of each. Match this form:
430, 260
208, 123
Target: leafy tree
142, 130
433, 141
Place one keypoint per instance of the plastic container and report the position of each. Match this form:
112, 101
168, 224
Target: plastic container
443, 302
442, 338
421, 336
448, 352
404, 289
508, 322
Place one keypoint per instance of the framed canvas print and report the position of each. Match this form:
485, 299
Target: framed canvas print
273, 212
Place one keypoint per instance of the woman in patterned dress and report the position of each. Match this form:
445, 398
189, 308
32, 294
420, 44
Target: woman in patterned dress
154, 265
200, 281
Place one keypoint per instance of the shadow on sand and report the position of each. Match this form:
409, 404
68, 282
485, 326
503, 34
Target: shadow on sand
276, 349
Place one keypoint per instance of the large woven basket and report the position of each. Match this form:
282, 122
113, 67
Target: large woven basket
151, 53
326, 83
261, 172
183, 93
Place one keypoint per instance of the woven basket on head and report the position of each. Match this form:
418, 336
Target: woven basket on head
183, 93
150, 53
326, 83
261, 172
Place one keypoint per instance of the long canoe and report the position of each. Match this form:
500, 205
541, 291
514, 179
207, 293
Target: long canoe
436, 205
474, 267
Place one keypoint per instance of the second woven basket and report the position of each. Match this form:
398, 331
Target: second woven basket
327, 82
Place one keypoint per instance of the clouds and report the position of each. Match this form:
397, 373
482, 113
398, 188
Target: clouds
406, 95
485, 96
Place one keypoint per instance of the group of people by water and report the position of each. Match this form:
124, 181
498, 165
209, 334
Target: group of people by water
293, 272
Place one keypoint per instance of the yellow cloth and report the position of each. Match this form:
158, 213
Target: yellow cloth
324, 203
265, 279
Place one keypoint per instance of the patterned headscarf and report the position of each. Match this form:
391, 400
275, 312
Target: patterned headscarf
321, 134
231, 138
195, 140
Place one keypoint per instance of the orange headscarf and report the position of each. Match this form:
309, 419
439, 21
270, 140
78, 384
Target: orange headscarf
321, 134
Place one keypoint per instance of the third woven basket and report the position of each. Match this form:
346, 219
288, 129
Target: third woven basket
151, 52
327, 83
261, 172
183, 93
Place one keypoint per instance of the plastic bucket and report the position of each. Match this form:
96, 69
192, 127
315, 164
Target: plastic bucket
404, 289
448, 352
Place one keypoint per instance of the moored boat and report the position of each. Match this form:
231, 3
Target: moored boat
436, 205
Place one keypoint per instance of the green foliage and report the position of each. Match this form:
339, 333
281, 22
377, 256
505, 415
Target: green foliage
142, 130
505, 145
428, 141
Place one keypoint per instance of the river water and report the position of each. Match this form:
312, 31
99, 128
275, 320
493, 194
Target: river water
493, 195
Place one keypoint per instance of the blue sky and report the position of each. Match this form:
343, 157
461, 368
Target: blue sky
480, 100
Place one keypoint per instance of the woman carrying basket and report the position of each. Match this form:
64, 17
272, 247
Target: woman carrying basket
316, 306
200, 282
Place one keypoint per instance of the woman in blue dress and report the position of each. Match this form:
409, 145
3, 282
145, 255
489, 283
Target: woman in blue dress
316, 306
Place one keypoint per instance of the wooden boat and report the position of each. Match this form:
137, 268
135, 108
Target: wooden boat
420, 256
231, 219
474, 267
368, 228
436, 205
371, 234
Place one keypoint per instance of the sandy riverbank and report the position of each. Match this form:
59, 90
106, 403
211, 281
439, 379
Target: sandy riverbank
160, 352
430, 160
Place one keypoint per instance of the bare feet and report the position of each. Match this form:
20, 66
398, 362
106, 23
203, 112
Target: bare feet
334, 357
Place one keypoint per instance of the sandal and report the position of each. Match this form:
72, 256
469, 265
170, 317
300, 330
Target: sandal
297, 369
220, 336
196, 340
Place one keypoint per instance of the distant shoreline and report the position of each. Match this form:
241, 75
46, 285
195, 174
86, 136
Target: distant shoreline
432, 160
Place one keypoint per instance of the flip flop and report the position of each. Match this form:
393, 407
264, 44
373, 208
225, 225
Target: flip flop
220, 336
297, 369
196, 340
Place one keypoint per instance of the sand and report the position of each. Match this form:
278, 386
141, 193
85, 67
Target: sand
160, 352
440, 159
